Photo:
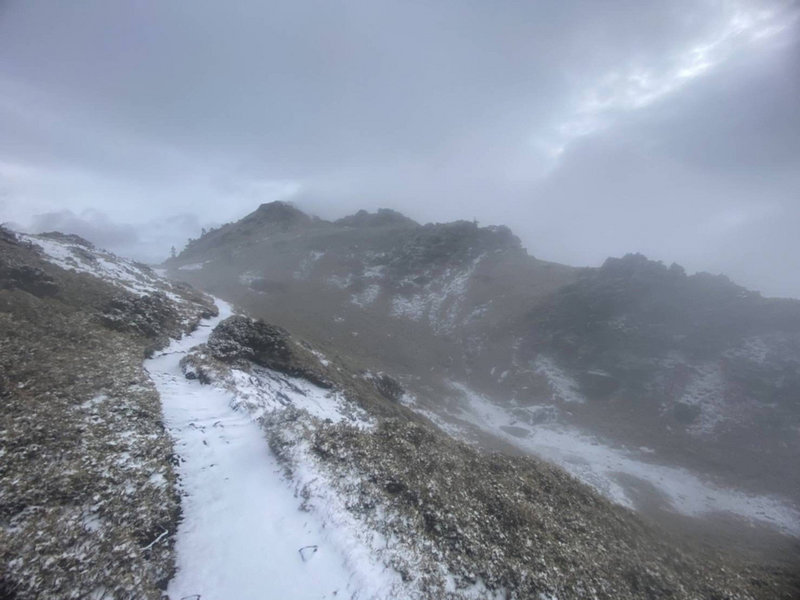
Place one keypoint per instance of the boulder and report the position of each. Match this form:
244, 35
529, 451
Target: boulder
239, 338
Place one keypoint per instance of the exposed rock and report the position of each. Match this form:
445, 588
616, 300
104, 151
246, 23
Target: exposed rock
388, 387
450, 243
685, 413
384, 217
152, 316
28, 278
239, 338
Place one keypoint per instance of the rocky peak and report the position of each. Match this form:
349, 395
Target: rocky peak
281, 214
270, 218
383, 218
633, 302
456, 242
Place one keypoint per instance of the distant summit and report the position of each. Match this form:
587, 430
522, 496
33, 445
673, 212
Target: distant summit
267, 219
695, 368
277, 213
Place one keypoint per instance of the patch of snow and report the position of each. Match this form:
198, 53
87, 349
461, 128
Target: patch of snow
307, 265
363, 547
158, 480
706, 390
264, 391
92, 402
755, 349
248, 277
92, 522
242, 535
321, 357
477, 314
340, 282
600, 465
414, 308
374, 272
192, 267
440, 302
121, 272
366, 296
564, 387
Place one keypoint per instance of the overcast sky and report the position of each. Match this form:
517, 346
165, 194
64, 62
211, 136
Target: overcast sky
591, 128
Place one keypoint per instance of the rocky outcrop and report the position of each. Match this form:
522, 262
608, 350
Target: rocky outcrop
28, 278
384, 217
240, 339
387, 386
153, 316
443, 244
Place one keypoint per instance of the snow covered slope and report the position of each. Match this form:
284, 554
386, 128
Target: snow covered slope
617, 472
86, 481
73, 253
243, 533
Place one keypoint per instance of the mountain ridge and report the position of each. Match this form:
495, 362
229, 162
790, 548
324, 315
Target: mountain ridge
424, 511
690, 367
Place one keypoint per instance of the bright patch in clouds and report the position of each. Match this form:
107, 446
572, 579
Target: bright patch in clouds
637, 86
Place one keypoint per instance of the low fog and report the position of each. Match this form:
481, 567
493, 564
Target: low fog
591, 129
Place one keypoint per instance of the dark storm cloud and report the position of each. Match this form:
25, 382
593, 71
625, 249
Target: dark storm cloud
591, 128
708, 179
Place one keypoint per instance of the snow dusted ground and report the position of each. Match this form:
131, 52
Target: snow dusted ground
610, 469
124, 273
242, 534
440, 301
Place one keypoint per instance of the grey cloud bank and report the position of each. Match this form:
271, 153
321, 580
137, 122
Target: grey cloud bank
668, 128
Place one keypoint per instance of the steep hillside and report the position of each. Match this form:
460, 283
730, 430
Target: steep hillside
86, 484
378, 287
426, 516
684, 364
635, 377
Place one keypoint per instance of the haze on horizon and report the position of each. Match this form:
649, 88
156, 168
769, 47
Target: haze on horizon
667, 128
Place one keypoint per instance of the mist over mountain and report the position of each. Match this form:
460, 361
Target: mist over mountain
696, 369
390, 300
493, 415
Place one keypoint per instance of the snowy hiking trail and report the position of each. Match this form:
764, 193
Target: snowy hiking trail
242, 535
